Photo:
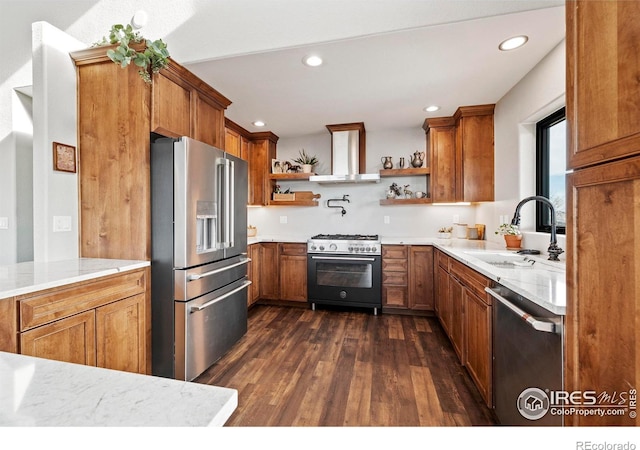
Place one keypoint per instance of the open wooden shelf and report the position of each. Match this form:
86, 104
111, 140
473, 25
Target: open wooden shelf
405, 172
290, 176
293, 203
406, 201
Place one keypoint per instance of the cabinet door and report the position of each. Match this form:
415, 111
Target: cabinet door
293, 278
121, 335
441, 137
245, 148
421, 278
259, 168
269, 274
171, 107
478, 344
232, 142
602, 80
209, 121
475, 154
456, 292
70, 340
255, 253
442, 298
603, 312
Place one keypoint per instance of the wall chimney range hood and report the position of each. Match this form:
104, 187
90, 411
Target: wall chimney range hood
348, 159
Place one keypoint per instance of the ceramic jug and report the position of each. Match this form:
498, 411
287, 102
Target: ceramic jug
386, 162
417, 160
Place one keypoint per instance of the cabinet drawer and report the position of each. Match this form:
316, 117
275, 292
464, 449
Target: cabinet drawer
394, 265
395, 251
53, 304
471, 279
394, 278
443, 260
293, 249
394, 296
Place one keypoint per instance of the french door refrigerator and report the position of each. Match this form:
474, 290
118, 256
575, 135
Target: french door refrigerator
199, 255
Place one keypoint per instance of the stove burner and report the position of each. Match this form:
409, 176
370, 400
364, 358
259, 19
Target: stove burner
347, 237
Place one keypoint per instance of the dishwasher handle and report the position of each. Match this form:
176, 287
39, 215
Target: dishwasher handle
536, 324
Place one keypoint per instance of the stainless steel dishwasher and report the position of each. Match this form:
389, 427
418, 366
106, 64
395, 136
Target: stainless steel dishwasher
528, 360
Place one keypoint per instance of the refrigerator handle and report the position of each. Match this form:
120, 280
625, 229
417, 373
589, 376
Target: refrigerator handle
222, 297
231, 203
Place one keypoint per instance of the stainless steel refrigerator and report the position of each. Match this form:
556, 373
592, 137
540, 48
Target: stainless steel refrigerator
199, 255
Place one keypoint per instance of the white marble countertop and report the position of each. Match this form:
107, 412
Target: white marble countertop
544, 283
27, 277
41, 392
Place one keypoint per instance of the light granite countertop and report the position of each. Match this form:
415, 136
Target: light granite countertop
41, 392
543, 283
27, 277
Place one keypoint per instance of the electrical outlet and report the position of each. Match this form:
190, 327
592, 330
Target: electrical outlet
4, 223
61, 223
283, 219
456, 218
387, 220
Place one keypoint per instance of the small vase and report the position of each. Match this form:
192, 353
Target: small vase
513, 241
306, 168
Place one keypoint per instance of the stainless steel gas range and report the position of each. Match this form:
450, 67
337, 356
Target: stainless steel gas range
344, 270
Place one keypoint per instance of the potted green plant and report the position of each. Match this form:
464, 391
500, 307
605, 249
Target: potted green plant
307, 162
512, 235
150, 59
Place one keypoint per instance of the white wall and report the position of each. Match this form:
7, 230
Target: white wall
55, 193
364, 212
538, 94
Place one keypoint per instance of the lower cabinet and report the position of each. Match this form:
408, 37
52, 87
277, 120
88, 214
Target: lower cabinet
254, 252
292, 258
407, 278
465, 311
269, 272
103, 322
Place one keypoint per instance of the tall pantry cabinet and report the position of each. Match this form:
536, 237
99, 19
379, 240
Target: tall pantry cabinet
603, 195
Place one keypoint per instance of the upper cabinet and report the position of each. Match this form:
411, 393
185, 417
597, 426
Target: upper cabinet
117, 111
237, 140
263, 150
603, 88
461, 155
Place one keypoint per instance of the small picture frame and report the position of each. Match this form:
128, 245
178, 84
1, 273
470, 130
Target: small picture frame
64, 157
276, 166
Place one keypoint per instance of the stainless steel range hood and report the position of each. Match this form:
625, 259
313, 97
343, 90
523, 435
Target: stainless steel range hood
348, 147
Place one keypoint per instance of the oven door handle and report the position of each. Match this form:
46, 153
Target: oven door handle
536, 324
343, 258
218, 299
197, 276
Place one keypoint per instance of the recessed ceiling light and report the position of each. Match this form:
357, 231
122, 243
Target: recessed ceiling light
312, 60
513, 43
432, 108
259, 123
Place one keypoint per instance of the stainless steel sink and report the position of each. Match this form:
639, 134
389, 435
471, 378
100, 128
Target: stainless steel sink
504, 260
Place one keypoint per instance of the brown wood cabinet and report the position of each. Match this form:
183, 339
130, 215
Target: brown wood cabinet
292, 259
262, 151
421, 278
237, 139
103, 322
465, 312
254, 252
117, 111
461, 154
269, 272
603, 193
395, 276
602, 81
8, 325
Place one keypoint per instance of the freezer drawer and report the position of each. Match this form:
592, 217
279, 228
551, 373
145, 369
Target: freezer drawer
207, 327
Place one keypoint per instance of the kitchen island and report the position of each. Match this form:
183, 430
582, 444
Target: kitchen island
41, 392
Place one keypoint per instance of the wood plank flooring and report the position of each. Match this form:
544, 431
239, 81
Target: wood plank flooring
297, 367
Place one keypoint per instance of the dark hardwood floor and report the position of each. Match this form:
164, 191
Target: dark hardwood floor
297, 367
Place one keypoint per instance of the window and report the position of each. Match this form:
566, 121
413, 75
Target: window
551, 152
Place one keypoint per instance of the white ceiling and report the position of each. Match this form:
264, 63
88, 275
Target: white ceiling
384, 79
385, 59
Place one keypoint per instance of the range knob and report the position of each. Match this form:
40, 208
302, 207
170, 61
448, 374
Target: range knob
350, 248
373, 249
368, 249
321, 247
333, 247
313, 247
